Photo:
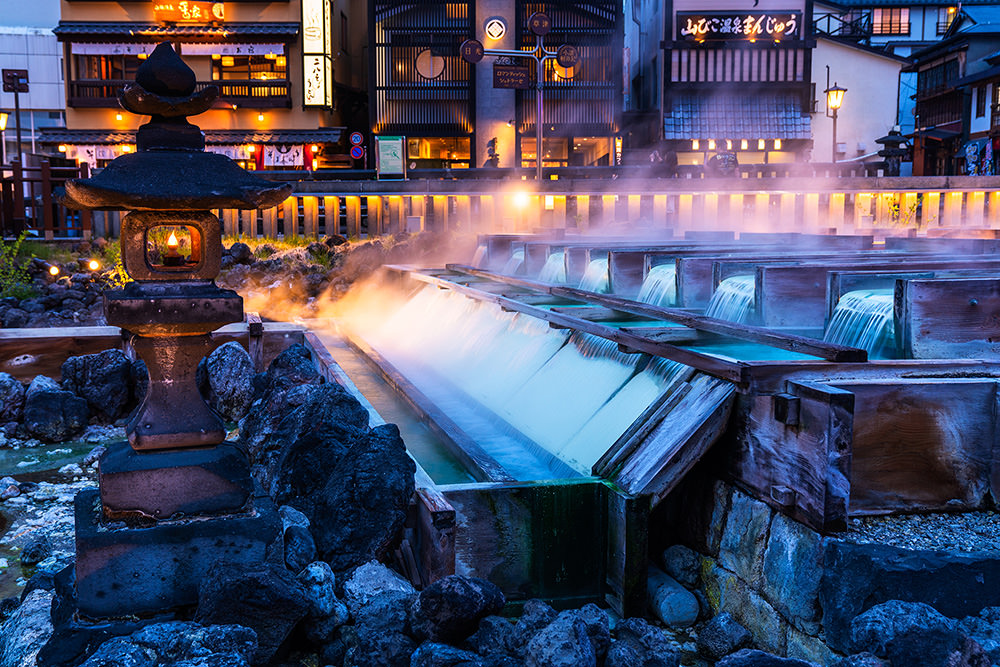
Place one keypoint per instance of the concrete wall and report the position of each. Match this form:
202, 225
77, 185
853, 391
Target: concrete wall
492, 103
869, 108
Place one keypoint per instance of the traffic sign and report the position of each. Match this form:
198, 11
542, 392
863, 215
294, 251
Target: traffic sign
357, 138
471, 51
540, 23
357, 152
567, 56
15, 80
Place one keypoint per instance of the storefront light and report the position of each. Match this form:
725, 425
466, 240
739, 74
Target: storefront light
744, 144
314, 148
228, 61
260, 116
695, 144
126, 149
760, 144
777, 144
279, 61
711, 144
118, 116
729, 144
62, 148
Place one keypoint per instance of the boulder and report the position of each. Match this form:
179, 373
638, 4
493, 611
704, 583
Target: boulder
300, 548
673, 604
53, 414
914, 634
861, 660
357, 505
103, 379
985, 630
26, 630
492, 637
11, 398
15, 318
175, 643
721, 636
241, 253
753, 658
370, 580
317, 582
641, 644
266, 599
430, 654
535, 615
683, 564
449, 609
381, 632
228, 380
562, 643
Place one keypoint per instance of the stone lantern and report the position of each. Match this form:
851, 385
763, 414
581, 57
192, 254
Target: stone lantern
175, 498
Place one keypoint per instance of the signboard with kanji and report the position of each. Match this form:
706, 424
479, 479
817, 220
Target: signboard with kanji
389, 152
738, 26
540, 24
511, 76
471, 51
188, 11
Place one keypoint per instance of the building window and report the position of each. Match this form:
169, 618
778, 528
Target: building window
891, 21
945, 16
937, 78
438, 152
980, 101
246, 68
117, 68
343, 32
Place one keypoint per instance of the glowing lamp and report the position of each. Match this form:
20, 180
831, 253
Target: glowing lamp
118, 116
126, 149
744, 144
53, 270
777, 144
760, 144
260, 117
835, 96
228, 61
62, 148
251, 149
173, 255
711, 144
695, 144
94, 265
521, 199
3, 120
314, 148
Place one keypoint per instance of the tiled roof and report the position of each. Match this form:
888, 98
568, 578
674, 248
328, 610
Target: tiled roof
905, 3
216, 137
139, 31
763, 116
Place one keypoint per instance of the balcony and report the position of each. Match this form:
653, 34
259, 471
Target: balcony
250, 93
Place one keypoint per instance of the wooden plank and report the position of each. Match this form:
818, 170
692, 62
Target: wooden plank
741, 331
949, 319
255, 333
682, 437
480, 465
922, 445
627, 553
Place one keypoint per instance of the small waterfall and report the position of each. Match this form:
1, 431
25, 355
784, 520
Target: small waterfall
554, 271
732, 300
863, 319
514, 264
595, 278
660, 286
479, 259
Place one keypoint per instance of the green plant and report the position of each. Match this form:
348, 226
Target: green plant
116, 276
14, 280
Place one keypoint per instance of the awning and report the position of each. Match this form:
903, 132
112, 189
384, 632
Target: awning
146, 32
717, 116
938, 134
323, 135
976, 144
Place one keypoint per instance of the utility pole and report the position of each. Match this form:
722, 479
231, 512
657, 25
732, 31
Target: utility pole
567, 56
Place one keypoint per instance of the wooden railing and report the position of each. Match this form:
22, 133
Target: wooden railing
253, 93
28, 201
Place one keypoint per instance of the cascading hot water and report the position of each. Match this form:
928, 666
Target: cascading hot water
732, 299
514, 264
595, 278
864, 319
660, 286
479, 259
554, 271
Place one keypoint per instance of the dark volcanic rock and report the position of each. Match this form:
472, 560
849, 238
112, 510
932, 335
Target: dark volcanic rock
103, 379
641, 644
178, 643
266, 599
916, 635
229, 379
241, 253
380, 637
51, 413
752, 658
300, 548
430, 654
26, 630
11, 398
535, 615
683, 564
371, 580
449, 609
492, 636
861, 660
562, 643
721, 636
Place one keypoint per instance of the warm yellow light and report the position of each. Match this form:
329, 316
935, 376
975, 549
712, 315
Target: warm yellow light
126, 149
711, 144
3, 120
172, 241
143, 56
314, 148
215, 56
260, 117
835, 96
118, 116
777, 144
695, 144
228, 61
744, 144
270, 56
521, 199
53, 270
550, 202
62, 148
251, 149
280, 61
729, 144
760, 144
93, 265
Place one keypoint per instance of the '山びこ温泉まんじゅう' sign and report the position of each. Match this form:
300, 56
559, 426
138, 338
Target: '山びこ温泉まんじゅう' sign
751, 26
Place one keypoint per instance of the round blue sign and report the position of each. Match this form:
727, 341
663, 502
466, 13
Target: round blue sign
356, 138
357, 152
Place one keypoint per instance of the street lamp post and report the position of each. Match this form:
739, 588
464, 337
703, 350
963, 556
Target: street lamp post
834, 99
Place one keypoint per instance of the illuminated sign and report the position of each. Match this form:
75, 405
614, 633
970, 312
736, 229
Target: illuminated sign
495, 28
194, 11
742, 26
511, 76
317, 59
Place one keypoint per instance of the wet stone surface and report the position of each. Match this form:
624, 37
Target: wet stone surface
969, 532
